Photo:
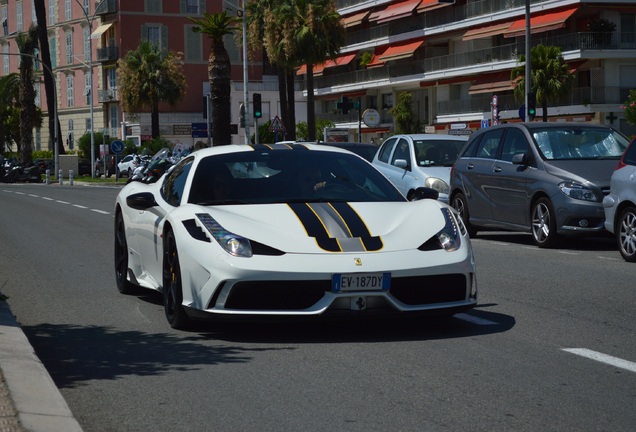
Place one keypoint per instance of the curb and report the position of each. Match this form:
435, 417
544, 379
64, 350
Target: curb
39, 404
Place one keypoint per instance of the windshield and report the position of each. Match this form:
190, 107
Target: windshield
573, 142
284, 176
437, 152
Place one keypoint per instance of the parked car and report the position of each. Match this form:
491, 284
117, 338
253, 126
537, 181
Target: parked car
412, 161
110, 166
302, 232
364, 150
620, 204
127, 165
44, 164
84, 167
545, 178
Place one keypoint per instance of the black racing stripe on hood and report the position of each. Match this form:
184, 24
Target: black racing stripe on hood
314, 227
357, 226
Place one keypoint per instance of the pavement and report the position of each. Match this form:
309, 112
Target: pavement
29, 399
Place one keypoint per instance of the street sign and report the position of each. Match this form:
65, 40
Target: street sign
277, 125
117, 146
199, 130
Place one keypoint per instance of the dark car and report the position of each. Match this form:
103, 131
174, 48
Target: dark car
365, 150
545, 178
44, 164
110, 166
84, 167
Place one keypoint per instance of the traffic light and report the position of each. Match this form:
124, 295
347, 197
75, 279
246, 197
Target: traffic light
258, 113
532, 106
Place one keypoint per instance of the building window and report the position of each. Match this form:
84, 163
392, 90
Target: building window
5, 22
36, 60
70, 96
38, 139
114, 116
53, 49
112, 77
69, 47
38, 99
34, 18
153, 6
52, 8
193, 7
193, 51
157, 34
87, 7
18, 13
5, 60
71, 134
67, 10
88, 124
87, 44
87, 88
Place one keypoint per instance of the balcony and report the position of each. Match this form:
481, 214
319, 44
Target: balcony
109, 53
105, 7
108, 95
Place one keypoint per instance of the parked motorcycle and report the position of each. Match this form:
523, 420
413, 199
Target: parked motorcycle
20, 173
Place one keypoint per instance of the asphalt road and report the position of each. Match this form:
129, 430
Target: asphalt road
550, 346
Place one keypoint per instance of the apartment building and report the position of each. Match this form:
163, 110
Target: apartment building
455, 57
88, 37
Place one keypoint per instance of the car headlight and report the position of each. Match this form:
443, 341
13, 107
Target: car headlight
448, 238
232, 243
438, 184
577, 191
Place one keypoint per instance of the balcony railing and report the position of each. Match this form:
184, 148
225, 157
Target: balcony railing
108, 53
108, 95
402, 68
105, 7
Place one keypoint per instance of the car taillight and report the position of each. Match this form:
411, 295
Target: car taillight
620, 165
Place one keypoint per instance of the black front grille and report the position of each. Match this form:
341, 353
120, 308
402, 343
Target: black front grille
421, 290
276, 295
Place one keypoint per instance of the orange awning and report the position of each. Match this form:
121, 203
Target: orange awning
487, 31
492, 83
540, 23
375, 61
355, 19
319, 68
397, 10
428, 5
400, 50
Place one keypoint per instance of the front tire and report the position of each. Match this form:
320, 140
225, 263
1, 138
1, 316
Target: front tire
626, 234
460, 204
544, 231
121, 257
172, 288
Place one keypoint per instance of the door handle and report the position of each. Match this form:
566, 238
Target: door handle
496, 169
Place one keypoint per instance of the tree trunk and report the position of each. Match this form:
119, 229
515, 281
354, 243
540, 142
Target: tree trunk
154, 119
544, 106
219, 69
49, 82
291, 105
282, 95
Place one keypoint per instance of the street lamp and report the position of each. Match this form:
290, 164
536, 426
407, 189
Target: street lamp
89, 20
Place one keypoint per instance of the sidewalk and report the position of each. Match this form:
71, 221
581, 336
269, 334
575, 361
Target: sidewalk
29, 399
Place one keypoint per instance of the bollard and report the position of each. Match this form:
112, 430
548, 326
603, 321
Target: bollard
48, 176
70, 177
59, 176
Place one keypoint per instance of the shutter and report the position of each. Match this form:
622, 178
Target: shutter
144, 32
164, 38
183, 7
202, 7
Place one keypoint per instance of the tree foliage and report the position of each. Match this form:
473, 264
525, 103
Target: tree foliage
148, 76
630, 107
550, 76
403, 115
216, 26
9, 110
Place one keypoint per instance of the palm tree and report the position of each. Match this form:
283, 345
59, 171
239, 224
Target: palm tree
9, 111
266, 33
27, 43
318, 36
148, 76
550, 76
216, 26
49, 82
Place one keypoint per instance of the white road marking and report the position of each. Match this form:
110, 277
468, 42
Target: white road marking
47, 198
100, 211
474, 320
603, 358
80, 206
62, 202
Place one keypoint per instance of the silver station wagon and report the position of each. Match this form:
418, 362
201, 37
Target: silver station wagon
545, 178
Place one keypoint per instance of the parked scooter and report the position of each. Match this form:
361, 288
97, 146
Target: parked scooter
20, 173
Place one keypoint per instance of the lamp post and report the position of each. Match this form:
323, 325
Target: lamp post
56, 133
89, 21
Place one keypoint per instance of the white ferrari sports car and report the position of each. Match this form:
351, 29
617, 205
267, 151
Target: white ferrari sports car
289, 230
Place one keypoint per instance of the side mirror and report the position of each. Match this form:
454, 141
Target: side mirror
520, 159
141, 201
424, 193
401, 163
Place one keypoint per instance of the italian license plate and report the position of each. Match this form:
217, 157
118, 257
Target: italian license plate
361, 282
